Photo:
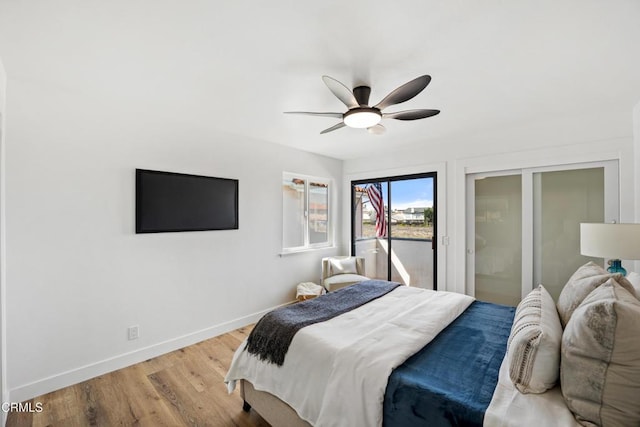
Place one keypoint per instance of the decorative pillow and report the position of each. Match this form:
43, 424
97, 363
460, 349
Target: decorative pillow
534, 343
341, 280
343, 266
600, 365
584, 280
634, 279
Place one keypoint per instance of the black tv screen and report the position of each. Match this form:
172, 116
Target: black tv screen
167, 201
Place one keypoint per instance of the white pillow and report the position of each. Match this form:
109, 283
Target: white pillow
343, 266
634, 279
534, 343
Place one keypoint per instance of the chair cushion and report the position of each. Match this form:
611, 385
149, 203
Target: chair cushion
533, 350
581, 283
341, 280
600, 364
343, 266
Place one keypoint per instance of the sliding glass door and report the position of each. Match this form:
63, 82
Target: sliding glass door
393, 224
525, 226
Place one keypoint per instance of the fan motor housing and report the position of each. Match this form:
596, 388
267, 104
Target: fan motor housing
361, 93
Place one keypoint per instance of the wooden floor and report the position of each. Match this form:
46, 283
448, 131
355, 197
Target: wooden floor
182, 388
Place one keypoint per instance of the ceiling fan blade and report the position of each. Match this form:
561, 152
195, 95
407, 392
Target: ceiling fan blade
404, 92
377, 129
342, 92
332, 128
310, 113
410, 114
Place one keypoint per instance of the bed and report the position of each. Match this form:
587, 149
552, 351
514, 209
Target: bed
409, 357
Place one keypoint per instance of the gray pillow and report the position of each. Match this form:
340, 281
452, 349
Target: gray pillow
581, 283
600, 358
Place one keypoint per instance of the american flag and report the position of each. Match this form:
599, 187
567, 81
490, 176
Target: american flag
375, 196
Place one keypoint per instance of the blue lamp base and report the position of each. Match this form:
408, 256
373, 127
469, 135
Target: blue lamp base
615, 266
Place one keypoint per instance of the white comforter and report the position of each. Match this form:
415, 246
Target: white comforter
510, 408
335, 372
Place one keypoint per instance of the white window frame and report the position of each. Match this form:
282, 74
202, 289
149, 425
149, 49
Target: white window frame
307, 245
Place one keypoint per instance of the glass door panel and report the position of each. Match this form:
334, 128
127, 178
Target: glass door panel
411, 228
369, 230
561, 201
498, 239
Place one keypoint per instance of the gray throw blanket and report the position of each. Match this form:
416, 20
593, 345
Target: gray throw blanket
271, 336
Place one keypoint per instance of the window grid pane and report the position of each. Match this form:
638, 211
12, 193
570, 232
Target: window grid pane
318, 213
293, 212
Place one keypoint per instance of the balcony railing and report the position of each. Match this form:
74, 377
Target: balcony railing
411, 259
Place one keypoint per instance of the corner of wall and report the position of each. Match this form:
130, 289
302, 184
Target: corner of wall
636, 159
636, 168
3, 343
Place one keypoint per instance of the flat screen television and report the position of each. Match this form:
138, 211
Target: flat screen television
167, 201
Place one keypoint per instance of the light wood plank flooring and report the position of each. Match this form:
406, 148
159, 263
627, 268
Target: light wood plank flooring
182, 388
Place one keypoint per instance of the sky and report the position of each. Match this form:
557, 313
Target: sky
416, 193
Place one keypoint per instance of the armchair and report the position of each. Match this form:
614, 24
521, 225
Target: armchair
341, 271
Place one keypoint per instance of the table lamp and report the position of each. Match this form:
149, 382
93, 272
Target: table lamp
614, 241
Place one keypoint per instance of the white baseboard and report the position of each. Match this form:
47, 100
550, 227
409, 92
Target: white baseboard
83, 373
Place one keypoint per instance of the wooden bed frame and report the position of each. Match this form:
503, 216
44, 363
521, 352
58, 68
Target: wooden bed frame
273, 410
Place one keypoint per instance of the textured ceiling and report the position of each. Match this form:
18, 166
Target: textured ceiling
235, 66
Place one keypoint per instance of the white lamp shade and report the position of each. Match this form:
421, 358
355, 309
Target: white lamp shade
617, 241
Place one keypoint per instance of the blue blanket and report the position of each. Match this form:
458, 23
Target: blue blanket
450, 381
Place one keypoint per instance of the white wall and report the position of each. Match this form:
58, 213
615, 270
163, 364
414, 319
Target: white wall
78, 276
542, 141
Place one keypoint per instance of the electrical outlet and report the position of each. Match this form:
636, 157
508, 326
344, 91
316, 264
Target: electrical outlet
133, 332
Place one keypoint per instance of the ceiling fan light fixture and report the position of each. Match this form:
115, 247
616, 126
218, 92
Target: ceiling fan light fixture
362, 118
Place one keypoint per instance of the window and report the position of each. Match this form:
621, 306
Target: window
305, 212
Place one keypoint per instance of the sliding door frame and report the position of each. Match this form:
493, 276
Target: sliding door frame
388, 180
611, 213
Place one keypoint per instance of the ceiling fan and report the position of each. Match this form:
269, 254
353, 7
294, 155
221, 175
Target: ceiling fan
361, 115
